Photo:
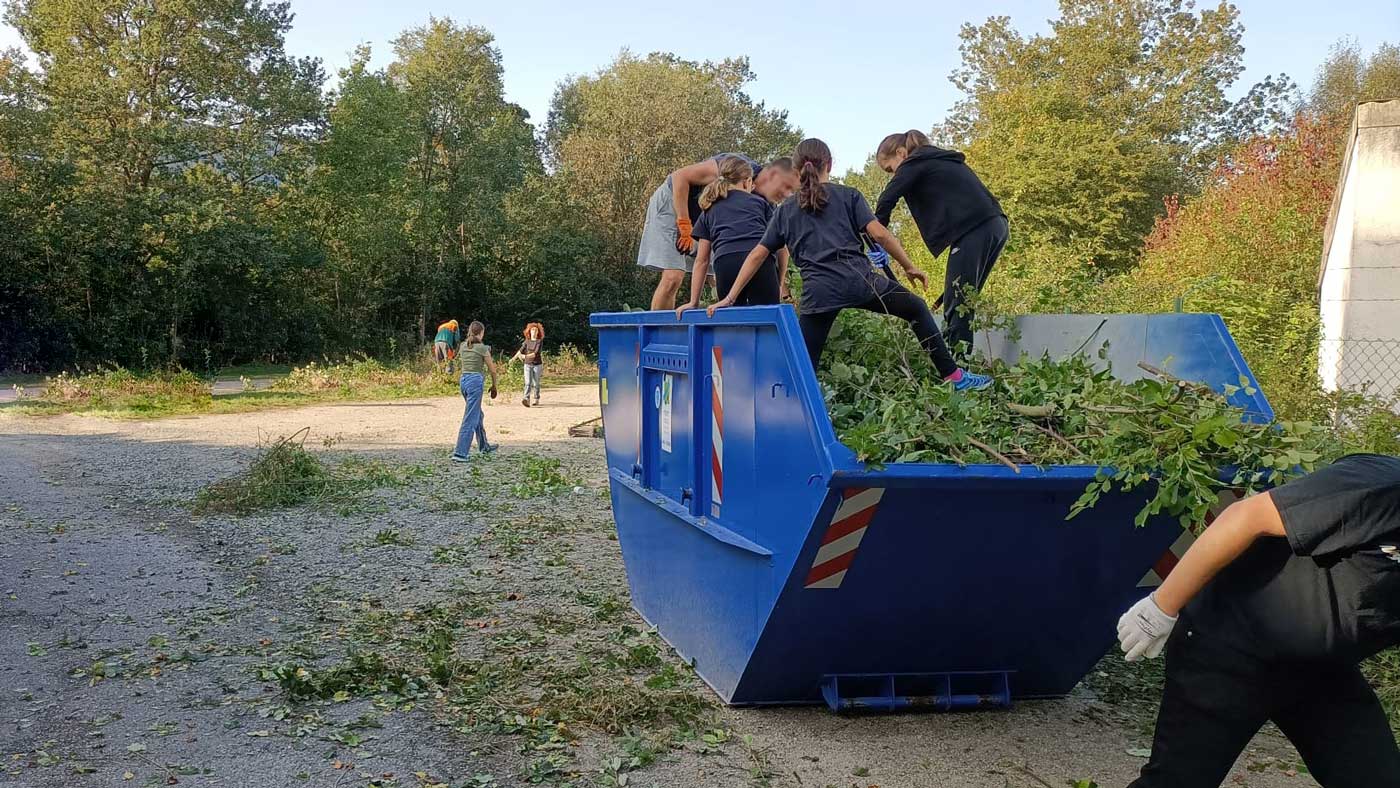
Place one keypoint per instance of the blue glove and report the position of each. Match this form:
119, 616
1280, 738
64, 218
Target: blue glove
878, 256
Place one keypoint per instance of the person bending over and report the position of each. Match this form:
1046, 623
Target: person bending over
731, 225
668, 243
953, 210
1267, 617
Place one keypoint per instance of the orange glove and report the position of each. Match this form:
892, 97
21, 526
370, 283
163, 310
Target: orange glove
684, 243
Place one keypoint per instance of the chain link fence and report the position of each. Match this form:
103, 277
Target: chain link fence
1369, 366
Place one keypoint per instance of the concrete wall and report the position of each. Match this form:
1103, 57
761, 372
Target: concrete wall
1359, 287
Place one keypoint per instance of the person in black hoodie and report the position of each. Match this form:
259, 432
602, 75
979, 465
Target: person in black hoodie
953, 210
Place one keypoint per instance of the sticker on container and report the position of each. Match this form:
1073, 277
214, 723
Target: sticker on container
603, 395
666, 413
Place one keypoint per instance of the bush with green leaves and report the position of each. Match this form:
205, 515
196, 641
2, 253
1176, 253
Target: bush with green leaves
1181, 440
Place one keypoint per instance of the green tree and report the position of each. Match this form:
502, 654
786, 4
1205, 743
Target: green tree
1248, 248
470, 147
1083, 131
1348, 77
162, 121
615, 135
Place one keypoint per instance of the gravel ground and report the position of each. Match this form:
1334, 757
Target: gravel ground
135, 632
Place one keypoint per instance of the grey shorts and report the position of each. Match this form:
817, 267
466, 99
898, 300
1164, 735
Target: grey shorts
658, 247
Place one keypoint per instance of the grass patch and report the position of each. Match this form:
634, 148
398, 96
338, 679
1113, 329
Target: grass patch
257, 370
117, 392
540, 476
502, 677
122, 390
285, 474
1384, 672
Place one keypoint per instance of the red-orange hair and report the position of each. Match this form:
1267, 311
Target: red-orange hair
528, 326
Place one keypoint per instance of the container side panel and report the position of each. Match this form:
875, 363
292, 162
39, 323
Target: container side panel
935, 580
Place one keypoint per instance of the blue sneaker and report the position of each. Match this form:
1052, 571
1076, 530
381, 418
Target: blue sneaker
971, 381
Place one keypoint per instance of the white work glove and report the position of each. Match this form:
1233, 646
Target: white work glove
1143, 630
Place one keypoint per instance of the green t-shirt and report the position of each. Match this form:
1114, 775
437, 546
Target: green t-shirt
474, 357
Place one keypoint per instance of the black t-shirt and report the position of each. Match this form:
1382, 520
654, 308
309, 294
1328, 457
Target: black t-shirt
530, 350
734, 224
828, 251
1331, 590
693, 199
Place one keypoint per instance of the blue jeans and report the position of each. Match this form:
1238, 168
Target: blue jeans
473, 422
532, 380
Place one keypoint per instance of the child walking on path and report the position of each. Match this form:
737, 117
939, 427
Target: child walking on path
476, 360
822, 226
531, 354
732, 224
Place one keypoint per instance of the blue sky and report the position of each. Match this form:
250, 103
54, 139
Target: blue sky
845, 71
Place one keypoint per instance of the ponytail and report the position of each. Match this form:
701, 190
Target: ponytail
732, 172
908, 142
812, 158
476, 332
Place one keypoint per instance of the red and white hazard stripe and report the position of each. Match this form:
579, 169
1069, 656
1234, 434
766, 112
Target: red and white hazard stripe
717, 433
843, 536
1168, 561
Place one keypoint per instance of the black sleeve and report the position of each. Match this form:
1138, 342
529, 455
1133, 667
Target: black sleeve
774, 237
894, 190
1343, 507
860, 212
701, 230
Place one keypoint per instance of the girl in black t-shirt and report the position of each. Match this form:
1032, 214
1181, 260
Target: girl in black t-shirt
821, 225
733, 221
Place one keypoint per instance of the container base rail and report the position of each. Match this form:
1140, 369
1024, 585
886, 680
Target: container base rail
925, 691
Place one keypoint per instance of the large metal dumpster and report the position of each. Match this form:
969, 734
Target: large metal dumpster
787, 572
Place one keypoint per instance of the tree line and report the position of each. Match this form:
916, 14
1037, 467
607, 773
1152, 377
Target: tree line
176, 187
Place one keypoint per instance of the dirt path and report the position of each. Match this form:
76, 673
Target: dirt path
137, 638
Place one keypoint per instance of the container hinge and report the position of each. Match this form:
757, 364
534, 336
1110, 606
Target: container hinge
934, 691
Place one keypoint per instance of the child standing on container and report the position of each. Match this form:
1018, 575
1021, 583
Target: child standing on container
822, 226
476, 360
731, 225
953, 210
531, 355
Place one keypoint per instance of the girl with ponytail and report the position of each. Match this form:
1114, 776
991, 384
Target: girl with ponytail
822, 227
732, 224
953, 210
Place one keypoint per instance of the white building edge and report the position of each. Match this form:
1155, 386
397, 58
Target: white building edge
1359, 285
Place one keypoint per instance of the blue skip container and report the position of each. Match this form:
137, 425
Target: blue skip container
787, 572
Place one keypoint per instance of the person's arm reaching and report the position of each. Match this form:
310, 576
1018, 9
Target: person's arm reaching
890, 197
1143, 630
751, 265
697, 277
698, 174
783, 293
882, 236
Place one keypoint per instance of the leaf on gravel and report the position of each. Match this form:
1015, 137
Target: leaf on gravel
1139, 752
137, 747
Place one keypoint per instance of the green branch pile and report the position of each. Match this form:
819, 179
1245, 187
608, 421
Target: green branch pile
1182, 440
